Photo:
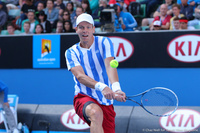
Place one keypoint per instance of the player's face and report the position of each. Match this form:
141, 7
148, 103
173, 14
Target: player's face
85, 32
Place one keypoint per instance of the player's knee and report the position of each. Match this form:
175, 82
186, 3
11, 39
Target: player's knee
96, 114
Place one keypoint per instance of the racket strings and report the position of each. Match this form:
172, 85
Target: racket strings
159, 101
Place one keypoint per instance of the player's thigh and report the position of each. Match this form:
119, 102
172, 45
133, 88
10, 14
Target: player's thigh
94, 112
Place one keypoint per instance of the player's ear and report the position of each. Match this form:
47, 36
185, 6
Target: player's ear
93, 29
76, 28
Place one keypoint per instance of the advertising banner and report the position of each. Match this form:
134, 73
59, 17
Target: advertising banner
46, 51
16, 52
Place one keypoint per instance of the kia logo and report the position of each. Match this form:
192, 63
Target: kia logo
183, 120
123, 48
185, 48
71, 120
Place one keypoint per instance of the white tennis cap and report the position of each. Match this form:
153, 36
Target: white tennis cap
84, 17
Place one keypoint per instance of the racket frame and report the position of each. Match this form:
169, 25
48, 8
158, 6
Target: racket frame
141, 103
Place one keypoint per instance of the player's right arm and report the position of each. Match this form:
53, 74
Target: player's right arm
79, 73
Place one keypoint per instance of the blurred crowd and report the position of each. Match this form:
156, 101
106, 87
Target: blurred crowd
59, 16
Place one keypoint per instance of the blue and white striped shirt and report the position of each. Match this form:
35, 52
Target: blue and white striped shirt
92, 62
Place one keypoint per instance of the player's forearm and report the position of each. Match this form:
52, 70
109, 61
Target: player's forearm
87, 81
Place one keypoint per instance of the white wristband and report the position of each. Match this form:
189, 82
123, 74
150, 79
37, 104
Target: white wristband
116, 87
100, 86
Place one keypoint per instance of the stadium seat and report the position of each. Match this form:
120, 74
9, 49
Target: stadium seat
17, 32
144, 28
4, 32
142, 10
197, 27
13, 102
14, 12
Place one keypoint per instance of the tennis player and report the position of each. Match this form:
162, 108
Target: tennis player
96, 82
6, 107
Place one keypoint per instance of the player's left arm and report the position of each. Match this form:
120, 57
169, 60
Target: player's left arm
112, 72
113, 77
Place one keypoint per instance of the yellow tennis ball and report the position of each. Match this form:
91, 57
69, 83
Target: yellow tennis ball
114, 63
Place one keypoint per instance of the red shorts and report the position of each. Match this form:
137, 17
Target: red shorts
108, 112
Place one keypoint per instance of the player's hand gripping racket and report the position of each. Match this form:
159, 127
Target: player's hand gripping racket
157, 101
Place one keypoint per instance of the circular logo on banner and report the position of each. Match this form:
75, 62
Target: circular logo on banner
185, 48
182, 120
71, 120
123, 48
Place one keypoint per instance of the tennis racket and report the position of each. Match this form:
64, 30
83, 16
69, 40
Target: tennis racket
158, 101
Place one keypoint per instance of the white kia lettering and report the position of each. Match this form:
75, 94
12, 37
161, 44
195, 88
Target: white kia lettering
71, 120
123, 48
185, 48
183, 120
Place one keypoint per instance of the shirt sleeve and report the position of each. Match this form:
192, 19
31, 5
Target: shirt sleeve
108, 48
71, 59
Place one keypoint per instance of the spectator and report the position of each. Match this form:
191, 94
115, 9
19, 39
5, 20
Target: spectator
94, 4
96, 14
148, 21
184, 24
151, 5
36, 2
27, 26
164, 18
86, 6
68, 27
66, 16
126, 2
70, 8
123, 5
176, 12
124, 21
196, 20
59, 27
157, 25
10, 29
42, 18
51, 12
31, 19
187, 10
12, 4
60, 6
25, 8
79, 11
3, 16
190, 2
176, 23
40, 7
21, 3
39, 29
